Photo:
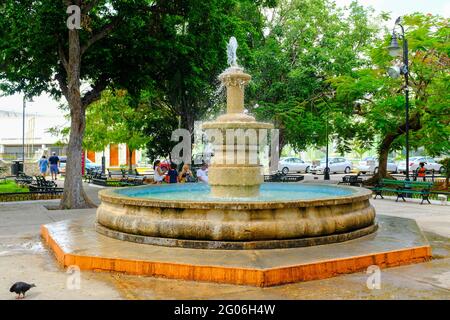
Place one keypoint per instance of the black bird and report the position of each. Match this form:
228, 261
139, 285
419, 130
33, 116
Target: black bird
21, 288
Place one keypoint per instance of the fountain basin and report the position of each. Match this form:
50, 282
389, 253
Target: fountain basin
282, 215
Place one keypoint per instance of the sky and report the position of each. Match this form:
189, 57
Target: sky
45, 105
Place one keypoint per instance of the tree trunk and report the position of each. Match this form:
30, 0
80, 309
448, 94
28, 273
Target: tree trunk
385, 146
74, 196
282, 142
383, 153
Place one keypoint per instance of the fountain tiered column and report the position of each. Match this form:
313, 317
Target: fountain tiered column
235, 170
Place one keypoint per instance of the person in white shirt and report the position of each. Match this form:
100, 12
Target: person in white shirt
202, 173
158, 173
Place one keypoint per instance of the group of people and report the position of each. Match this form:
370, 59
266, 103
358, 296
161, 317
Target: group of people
171, 174
52, 162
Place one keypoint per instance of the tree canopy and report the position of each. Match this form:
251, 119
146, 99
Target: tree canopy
315, 66
375, 103
307, 43
121, 44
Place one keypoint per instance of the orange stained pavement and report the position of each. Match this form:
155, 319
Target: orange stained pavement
398, 241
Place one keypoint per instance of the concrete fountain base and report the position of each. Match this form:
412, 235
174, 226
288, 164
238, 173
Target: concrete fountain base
398, 241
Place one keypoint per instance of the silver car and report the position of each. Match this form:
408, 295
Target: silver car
370, 165
293, 164
414, 162
336, 165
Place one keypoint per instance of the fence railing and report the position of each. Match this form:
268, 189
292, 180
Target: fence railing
430, 176
16, 156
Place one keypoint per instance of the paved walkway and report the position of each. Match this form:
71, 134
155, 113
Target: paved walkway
24, 258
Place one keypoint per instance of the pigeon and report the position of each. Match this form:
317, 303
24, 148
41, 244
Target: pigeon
21, 288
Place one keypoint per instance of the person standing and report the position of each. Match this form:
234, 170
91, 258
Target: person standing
421, 171
54, 164
43, 165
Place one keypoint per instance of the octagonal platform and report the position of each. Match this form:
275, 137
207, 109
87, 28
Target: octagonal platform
398, 241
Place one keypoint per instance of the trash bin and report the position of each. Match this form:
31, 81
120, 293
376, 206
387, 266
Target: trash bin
16, 167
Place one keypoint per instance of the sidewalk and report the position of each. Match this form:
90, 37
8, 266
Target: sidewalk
24, 258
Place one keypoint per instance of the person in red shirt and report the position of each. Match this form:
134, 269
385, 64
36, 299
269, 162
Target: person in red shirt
421, 171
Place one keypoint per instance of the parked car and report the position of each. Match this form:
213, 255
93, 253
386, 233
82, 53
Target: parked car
370, 164
291, 164
430, 164
336, 165
87, 165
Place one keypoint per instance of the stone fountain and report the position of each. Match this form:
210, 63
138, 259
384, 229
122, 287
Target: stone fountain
168, 230
236, 210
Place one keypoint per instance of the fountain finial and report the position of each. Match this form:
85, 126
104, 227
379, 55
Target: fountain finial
231, 52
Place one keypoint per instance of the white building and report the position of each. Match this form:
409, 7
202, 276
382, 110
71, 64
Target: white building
39, 141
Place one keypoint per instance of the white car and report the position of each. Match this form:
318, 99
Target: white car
370, 164
430, 164
336, 165
292, 164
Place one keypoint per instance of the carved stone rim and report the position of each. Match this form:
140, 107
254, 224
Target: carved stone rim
111, 196
237, 125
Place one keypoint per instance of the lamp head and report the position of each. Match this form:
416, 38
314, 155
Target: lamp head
394, 72
394, 48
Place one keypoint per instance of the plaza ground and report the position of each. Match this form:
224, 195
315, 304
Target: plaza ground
23, 257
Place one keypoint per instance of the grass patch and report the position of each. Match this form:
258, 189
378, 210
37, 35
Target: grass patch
11, 186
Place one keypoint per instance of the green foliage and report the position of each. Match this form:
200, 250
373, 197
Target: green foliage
34, 33
446, 163
197, 52
308, 43
379, 103
112, 119
10, 187
159, 124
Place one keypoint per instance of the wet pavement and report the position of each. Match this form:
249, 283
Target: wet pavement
78, 236
23, 257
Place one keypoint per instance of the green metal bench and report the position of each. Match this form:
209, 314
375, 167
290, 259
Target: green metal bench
402, 188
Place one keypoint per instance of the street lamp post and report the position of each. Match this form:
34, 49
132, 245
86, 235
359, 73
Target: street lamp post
23, 132
23, 129
103, 162
326, 175
395, 50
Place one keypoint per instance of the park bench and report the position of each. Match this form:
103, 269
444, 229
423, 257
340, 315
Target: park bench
146, 173
43, 186
94, 173
116, 178
116, 174
23, 179
352, 180
134, 180
280, 177
403, 188
89, 174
